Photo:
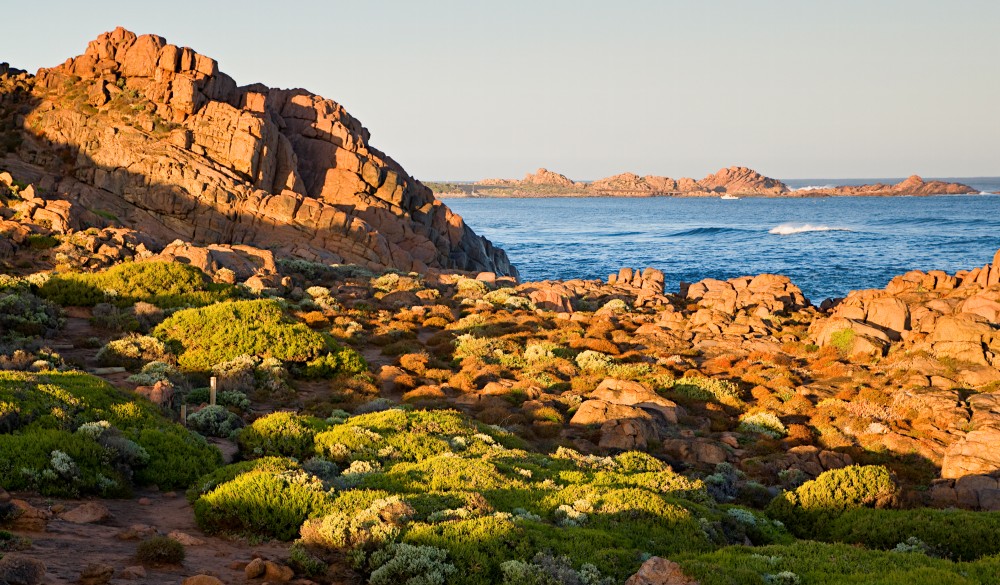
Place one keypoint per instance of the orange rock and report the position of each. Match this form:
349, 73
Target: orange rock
660, 571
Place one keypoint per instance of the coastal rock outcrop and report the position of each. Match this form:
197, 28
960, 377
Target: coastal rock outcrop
913, 185
141, 134
953, 317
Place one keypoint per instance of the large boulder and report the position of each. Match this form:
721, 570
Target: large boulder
622, 427
635, 394
660, 571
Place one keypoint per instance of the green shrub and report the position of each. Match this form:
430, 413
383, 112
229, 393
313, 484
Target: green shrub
215, 421
132, 352
544, 569
763, 423
262, 503
843, 340
160, 550
281, 433
350, 529
813, 504
23, 315
304, 563
164, 284
706, 389
210, 481
818, 563
231, 398
224, 331
345, 361
58, 463
957, 534
65, 400
176, 457
405, 564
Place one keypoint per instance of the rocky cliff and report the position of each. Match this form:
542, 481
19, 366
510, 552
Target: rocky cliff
140, 134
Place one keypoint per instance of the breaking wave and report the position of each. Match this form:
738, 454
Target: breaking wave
813, 187
789, 229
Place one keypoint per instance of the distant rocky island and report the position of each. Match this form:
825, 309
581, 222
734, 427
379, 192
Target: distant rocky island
736, 181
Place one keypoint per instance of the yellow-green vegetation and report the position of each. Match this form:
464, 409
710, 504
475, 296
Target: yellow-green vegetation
221, 332
843, 340
69, 433
441, 480
164, 284
806, 562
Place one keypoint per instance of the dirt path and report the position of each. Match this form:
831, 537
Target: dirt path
67, 548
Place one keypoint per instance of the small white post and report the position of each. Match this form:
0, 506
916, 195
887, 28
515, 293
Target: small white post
211, 392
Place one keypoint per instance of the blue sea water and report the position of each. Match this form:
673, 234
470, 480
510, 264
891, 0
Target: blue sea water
827, 246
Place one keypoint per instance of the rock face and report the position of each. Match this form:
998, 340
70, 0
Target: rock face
153, 137
547, 177
742, 181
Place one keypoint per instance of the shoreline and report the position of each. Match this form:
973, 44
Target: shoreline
579, 195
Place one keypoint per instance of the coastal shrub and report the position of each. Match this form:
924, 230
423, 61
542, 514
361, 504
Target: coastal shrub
763, 423
46, 408
843, 340
164, 284
262, 503
133, 352
65, 400
305, 563
815, 503
154, 372
233, 399
957, 534
281, 433
406, 564
58, 463
24, 315
344, 361
160, 550
224, 331
355, 529
702, 388
215, 421
831, 564
209, 481
545, 569
176, 457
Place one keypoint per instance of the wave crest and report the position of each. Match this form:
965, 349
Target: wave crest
814, 188
788, 229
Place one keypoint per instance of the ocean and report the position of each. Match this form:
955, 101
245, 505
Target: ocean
827, 246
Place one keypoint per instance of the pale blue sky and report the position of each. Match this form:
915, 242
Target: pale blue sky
470, 89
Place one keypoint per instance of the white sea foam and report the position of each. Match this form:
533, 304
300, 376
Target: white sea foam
788, 229
813, 187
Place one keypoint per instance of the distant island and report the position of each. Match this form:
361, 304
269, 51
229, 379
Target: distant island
733, 181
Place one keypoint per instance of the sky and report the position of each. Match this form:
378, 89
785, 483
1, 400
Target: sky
467, 89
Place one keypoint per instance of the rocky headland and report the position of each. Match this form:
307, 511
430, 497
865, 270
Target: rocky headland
736, 181
141, 135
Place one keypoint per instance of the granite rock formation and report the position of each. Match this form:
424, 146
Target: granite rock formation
140, 134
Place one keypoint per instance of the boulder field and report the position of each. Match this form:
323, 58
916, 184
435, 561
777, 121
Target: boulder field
153, 139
